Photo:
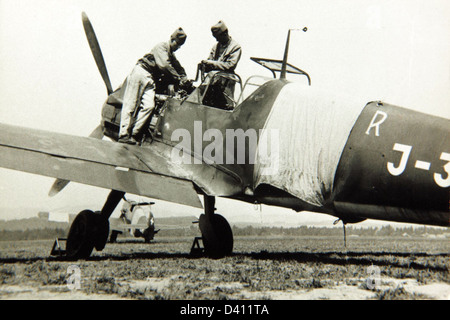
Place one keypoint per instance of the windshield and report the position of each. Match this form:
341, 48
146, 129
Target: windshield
219, 90
252, 83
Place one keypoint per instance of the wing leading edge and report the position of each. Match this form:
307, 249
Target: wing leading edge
90, 161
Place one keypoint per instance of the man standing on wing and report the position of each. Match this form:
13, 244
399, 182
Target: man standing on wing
159, 67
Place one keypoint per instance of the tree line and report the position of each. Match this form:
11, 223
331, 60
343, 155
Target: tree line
34, 234
384, 231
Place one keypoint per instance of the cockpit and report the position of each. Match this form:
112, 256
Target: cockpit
215, 89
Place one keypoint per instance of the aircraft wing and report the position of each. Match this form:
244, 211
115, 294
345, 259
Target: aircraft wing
94, 162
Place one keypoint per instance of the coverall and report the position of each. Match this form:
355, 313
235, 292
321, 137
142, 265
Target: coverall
225, 58
139, 96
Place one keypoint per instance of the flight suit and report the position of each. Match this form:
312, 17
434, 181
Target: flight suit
225, 58
139, 96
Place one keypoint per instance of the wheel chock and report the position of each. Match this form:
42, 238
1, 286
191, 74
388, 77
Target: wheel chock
196, 249
57, 249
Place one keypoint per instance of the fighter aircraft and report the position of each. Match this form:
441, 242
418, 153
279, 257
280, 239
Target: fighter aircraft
283, 143
136, 218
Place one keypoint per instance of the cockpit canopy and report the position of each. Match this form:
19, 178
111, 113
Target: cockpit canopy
217, 89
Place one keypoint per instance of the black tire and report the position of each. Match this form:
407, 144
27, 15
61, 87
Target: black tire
101, 231
80, 240
217, 235
149, 234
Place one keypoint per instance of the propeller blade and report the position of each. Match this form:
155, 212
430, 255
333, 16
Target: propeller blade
96, 51
57, 186
60, 184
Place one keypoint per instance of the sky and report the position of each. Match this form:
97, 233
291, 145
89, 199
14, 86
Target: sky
394, 51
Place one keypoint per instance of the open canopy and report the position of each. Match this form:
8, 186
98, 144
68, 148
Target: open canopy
276, 66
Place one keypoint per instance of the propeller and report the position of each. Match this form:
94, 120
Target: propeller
96, 51
60, 184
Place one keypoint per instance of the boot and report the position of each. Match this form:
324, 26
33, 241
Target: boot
127, 140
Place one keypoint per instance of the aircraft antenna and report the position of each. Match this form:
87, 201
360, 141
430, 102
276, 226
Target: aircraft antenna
286, 50
345, 234
344, 229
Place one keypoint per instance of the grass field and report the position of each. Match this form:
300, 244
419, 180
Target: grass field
270, 267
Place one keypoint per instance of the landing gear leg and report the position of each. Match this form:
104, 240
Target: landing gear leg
216, 232
90, 229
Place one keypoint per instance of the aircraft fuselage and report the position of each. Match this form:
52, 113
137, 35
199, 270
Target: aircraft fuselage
395, 164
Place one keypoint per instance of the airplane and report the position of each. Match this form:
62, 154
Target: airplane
283, 143
136, 219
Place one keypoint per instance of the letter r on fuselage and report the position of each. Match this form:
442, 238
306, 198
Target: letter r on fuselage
375, 122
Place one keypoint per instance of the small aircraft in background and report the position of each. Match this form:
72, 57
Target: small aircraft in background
303, 149
136, 218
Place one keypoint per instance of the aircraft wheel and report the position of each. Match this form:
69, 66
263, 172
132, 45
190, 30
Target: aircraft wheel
149, 234
101, 231
113, 237
217, 235
80, 240
87, 231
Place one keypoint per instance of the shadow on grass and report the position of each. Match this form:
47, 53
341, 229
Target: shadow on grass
381, 258
357, 258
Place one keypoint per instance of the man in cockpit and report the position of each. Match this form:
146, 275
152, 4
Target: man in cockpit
224, 56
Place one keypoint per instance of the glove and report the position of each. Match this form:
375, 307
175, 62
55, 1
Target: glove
209, 65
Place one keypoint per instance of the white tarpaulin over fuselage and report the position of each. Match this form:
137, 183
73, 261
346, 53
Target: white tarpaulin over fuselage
313, 128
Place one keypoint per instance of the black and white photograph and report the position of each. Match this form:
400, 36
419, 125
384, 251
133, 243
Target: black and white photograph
244, 152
